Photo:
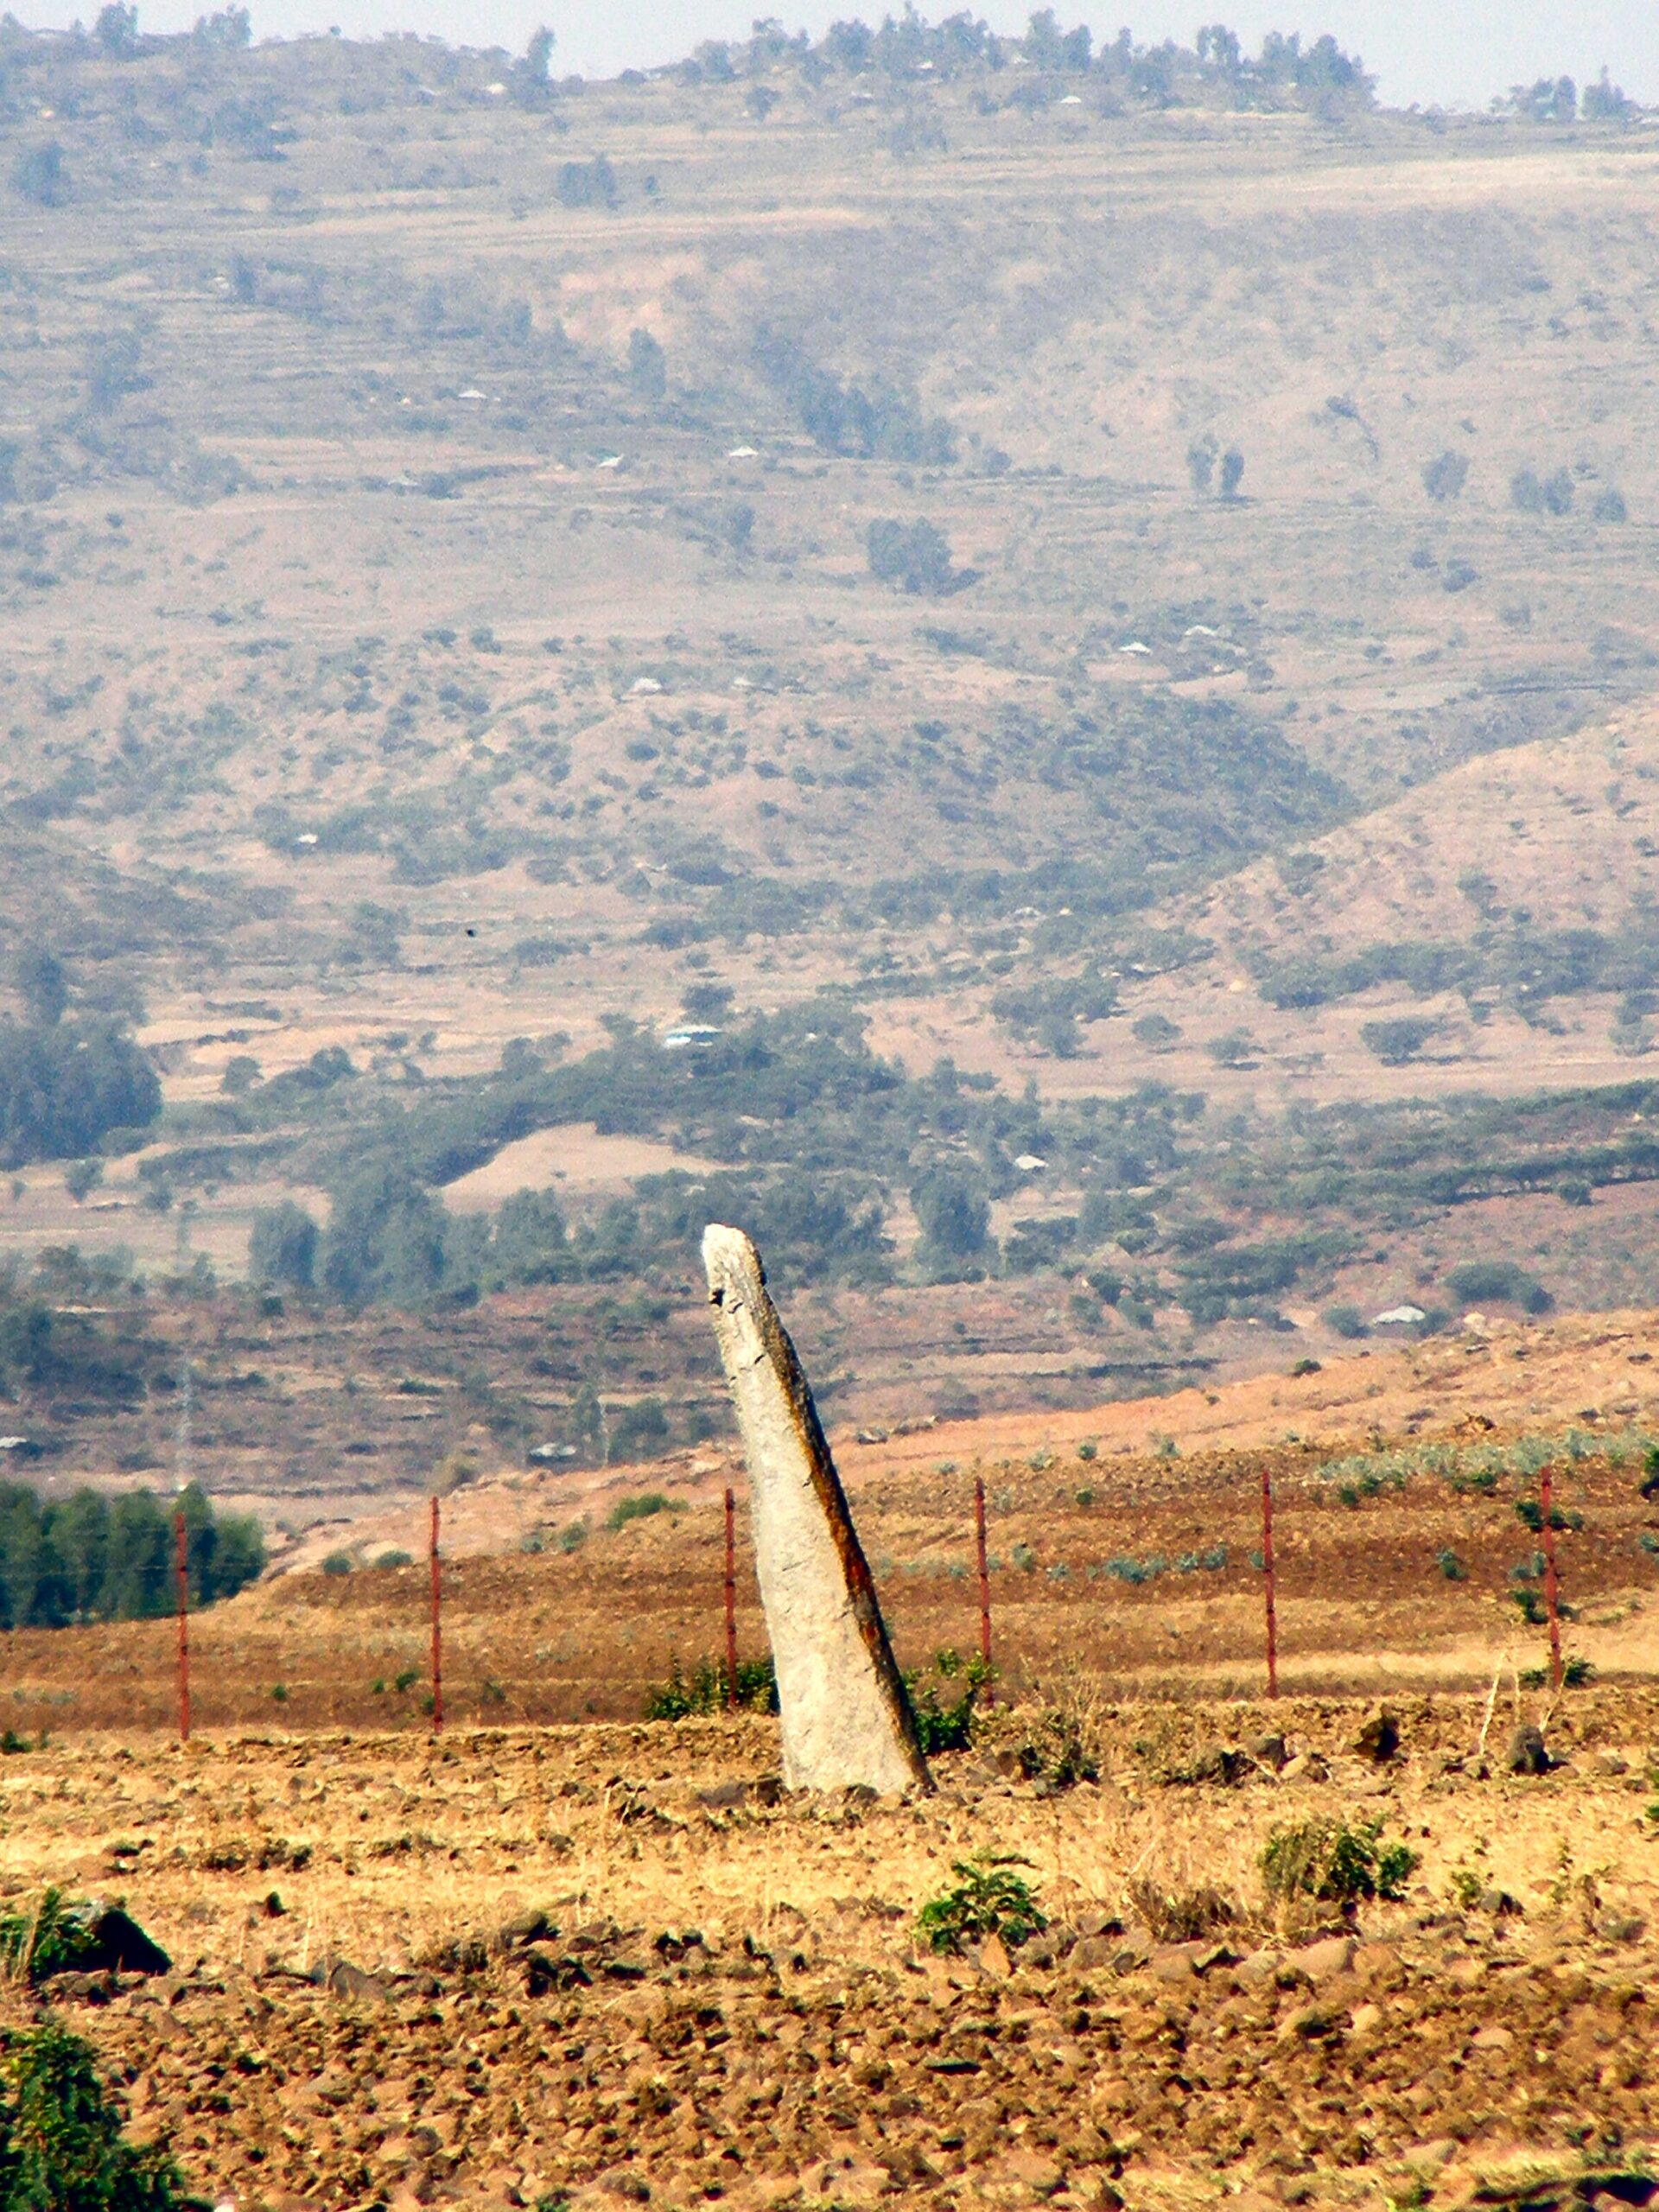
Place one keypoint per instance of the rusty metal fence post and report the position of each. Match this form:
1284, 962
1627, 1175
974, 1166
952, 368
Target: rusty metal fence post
437, 1627
1268, 1594
984, 1586
1552, 1608
182, 1572
731, 1602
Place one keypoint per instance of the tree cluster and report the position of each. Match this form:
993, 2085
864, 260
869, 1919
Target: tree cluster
92, 1558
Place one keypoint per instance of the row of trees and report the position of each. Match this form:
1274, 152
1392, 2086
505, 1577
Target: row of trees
92, 1558
1215, 69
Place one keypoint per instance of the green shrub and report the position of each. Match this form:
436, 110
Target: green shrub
988, 1899
1334, 1864
686, 1697
61, 2148
338, 1563
1476, 1282
1450, 1565
646, 1507
947, 1725
1399, 1039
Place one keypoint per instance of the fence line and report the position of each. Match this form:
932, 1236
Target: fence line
181, 1570
437, 1626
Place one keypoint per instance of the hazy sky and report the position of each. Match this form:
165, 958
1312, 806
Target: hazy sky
1457, 51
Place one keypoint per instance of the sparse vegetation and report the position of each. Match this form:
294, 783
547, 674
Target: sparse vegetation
988, 1899
1331, 1862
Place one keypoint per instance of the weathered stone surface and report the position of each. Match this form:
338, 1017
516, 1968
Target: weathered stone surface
1527, 1753
846, 1720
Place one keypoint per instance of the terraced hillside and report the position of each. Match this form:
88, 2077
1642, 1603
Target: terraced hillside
993, 667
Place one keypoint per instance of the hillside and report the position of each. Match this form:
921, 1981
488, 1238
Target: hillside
588, 637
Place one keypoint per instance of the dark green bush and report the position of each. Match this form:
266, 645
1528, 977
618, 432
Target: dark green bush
1332, 1863
1477, 1281
686, 1697
988, 1898
61, 2145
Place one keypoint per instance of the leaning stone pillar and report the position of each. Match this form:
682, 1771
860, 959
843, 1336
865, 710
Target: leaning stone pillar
846, 1717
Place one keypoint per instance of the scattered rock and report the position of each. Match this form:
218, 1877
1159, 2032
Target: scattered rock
543, 1972
1609, 1763
344, 1979
991, 1957
1269, 1751
1527, 1753
1379, 1736
1223, 1763
1331, 1954
115, 1943
1306, 1766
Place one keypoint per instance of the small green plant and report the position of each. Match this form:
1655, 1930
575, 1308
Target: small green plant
405, 1680
1088, 1449
1576, 1673
338, 1563
644, 1507
60, 2140
1055, 1752
947, 1725
493, 1692
1530, 1605
572, 1539
988, 1899
1450, 1565
1334, 1864
683, 1697
279, 1692
1023, 1557
395, 1559
51, 1937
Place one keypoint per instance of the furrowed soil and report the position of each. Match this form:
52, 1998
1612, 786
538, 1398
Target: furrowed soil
558, 1953
518, 1967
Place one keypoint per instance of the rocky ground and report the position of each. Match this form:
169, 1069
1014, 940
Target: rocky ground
612, 1964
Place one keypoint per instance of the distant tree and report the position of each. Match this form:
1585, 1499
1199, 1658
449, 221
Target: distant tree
63, 1089
40, 175
81, 1178
1218, 49
529, 79
954, 1218
1398, 1040
229, 28
43, 985
647, 366
1611, 507
114, 370
1232, 473
282, 1248
1201, 464
587, 184
242, 1072
1156, 1030
385, 1239
1444, 476
116, 31
915, 554
1551, 100
1604, 102
1548, 495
